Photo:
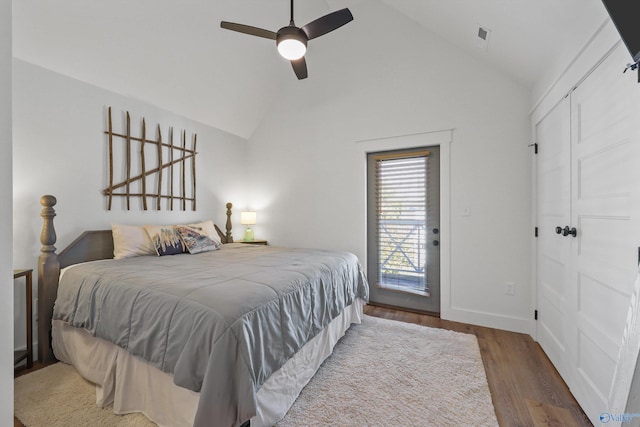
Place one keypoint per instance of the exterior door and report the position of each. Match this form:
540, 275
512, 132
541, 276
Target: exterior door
403, 228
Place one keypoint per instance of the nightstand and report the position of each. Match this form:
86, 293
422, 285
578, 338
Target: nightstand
254, 242
19, 356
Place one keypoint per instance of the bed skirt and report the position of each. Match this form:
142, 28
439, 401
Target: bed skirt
132, 385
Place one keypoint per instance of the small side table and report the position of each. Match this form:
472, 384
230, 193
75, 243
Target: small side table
253, 242
18, 356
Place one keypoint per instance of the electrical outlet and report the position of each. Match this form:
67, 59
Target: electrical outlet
509, 288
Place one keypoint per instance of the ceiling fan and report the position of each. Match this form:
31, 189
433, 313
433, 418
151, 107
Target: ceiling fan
291, 40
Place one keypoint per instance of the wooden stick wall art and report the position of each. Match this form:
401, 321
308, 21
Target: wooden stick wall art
146, 167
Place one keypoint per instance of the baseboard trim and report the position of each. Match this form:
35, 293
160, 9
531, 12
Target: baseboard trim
489, 320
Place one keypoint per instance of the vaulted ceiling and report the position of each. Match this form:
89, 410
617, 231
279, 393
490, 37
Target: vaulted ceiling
173, 54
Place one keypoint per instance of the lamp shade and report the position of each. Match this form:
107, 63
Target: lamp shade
247, 218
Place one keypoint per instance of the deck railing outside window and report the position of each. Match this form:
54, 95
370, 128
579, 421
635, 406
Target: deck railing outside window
402, 254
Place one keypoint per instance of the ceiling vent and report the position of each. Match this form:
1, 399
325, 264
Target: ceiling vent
482, 39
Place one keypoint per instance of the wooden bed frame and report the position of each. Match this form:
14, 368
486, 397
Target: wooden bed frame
89, 246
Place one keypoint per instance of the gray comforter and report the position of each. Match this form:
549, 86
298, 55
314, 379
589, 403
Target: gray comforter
221, 322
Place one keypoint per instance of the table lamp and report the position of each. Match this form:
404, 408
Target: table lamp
248, 219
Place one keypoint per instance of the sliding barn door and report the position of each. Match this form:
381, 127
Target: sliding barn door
589, 190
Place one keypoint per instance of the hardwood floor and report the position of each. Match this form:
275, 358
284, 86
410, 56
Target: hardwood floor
525, 387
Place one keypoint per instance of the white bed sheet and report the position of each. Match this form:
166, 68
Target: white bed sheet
132, 385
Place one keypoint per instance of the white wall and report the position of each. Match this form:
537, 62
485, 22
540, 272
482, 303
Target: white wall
60, 149
307, 167
6, 233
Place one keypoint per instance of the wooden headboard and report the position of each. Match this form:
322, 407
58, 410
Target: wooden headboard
89, 246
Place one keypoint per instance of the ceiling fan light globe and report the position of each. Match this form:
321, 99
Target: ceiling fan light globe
291, 42
291, 49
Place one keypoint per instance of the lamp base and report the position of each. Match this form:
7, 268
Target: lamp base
248, 235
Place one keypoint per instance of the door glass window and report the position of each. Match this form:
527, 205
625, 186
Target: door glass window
400, 187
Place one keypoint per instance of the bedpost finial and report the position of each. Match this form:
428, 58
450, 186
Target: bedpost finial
48, 233
48, 200
229, 205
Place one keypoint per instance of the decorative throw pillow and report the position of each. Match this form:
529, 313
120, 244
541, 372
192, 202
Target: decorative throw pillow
209, 229
130, 241
196, 238
165, 239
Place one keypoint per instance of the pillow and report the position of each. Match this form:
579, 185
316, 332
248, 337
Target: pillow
196, 238
165, 239
209, 229
130, 241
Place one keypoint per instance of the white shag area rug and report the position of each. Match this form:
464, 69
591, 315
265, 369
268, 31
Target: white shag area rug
381, 373
58, 396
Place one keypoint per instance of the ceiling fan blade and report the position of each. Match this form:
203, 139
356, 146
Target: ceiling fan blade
300, 68
247, 29
327, 23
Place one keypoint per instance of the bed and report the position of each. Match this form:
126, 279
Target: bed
224, 337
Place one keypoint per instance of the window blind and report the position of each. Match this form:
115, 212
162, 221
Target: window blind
402, 209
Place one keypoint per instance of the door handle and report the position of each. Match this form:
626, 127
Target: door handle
573, 231
558, 230
568, 231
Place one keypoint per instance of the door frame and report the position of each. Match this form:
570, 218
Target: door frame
443, 139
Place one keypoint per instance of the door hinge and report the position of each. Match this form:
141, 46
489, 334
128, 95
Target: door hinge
535, 314
535, 147
536, 232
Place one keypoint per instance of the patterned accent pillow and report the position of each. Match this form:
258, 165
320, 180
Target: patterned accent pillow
196, 238
165, 239
208, 229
